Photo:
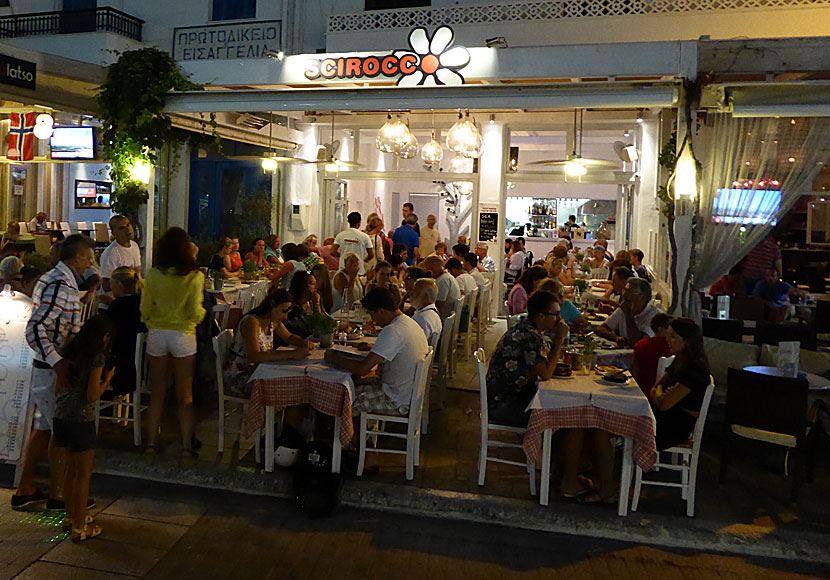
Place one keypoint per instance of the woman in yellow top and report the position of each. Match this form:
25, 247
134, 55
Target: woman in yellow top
171, 307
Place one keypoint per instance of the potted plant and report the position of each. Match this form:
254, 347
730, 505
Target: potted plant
248, 267
580, 284
580, 256
218, 279
323, 326
586, 267
589, 353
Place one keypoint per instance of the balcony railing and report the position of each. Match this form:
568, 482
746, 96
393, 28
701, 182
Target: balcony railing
472, 14
69, 22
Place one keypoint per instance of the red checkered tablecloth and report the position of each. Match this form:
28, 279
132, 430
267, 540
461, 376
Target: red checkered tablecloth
638, 428
329, 398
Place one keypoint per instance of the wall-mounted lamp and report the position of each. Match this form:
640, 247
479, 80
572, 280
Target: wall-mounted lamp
492, 118
685, 175
140, 171
496, 42
269, 164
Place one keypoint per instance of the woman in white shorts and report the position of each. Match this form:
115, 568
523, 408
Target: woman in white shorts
171, 307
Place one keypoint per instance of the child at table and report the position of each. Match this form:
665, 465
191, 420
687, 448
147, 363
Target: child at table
253, 342
74, 421
648, 351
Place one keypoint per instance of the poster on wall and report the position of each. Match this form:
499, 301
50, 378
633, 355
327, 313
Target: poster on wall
15, 374
488, 223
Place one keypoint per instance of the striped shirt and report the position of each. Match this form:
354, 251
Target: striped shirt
761, 258
56, 314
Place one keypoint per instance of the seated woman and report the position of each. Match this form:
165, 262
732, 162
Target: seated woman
324, 288
294, 256
440, 251
524, 287
257, 254
399, 268
253, 342
9, 239
125, 312
557, 270
678, 394
347, 288
383, 279
597, 257
273, 254
221, 262
10, 273
303, 291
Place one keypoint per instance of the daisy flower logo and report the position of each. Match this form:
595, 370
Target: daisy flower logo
437, 62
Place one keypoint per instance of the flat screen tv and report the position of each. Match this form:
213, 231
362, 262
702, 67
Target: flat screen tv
746, 206
92, 194
72, 143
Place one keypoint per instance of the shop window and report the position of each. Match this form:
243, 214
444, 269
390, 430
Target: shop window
389, 4
233, 9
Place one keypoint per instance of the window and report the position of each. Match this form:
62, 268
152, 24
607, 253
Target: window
234, 9
5, 3
388, 4
69, 5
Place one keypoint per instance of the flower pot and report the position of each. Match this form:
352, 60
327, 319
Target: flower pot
326, 339
248, 276
218, 283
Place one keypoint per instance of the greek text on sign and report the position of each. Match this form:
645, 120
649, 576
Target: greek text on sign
226, 41
430, 62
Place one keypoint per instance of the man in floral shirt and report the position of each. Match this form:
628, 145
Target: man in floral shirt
523, 356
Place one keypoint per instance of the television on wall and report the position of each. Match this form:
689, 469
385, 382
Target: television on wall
72, 143
93, 194
746, 206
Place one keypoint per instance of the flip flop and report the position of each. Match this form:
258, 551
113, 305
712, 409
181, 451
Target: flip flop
595, 497
584, 491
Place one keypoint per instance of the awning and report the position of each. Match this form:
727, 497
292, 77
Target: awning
808, 99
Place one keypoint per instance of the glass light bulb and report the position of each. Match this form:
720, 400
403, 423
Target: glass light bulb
392, 136
431, 152
44, 119
465, 138
685, 176
140, 171
410, 149
575, 169
43, 131
269, 164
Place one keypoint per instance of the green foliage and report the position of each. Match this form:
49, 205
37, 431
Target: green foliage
218, 275
581, 284
321, 322
131, 107
249, 267
586, 267
130, 195
589, 344
580, 256
668, 159
252, 216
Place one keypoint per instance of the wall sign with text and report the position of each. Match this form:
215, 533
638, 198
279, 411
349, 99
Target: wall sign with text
429, 62
16, 72
227, 41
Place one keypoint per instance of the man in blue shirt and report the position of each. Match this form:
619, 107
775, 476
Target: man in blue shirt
775, 293
409, 238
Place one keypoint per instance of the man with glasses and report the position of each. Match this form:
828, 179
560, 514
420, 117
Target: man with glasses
632, 320
526, 353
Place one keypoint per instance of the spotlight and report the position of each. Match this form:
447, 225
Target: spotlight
492, 118
496, 42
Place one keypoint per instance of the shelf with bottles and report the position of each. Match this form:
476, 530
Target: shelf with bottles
542, 208
543, 222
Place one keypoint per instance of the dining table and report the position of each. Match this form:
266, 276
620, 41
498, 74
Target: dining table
815, 382
588, 401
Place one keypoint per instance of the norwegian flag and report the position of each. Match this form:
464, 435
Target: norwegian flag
22, 137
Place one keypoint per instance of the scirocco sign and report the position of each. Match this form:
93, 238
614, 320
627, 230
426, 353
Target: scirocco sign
430, 62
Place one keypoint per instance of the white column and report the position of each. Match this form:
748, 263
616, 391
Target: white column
645, 222
148, 218
492, 190
178, 194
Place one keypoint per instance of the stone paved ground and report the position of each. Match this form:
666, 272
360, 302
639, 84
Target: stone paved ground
158, 531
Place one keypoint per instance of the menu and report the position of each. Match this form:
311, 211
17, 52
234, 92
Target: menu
15, 374
488, 223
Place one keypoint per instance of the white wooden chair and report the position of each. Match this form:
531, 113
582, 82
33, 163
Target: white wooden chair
481, 312
443, 365
81, 227
599, 273
433, 344
221, 347
663, 364
412, 421
24, 226
65, 229
471, 301
487, 426
689, 453
221, 313
459, 306
127, 408
100, 233
245, 300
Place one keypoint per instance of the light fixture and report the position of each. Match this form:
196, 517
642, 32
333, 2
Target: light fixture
409, 149
640, 116
464, 137
431, 152
280, 55
7, 291
269, 164
631, 152
332, 167
575, 169
461, 164
492, 118
43, 126
496, 42
393, 135
140, 171
791, 159
627, 133
685, 174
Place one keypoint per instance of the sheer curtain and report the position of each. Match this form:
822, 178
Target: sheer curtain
745, 161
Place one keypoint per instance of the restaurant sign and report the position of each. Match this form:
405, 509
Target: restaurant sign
227, 41
427, 62
16, 72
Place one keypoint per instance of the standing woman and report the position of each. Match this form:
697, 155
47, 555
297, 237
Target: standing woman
678, 394
347, 288
171, 307
324, 287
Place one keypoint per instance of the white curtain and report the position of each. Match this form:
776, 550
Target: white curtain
745, 162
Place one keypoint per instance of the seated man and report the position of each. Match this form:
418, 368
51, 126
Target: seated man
612, 297
648, 351
466, 283
423, 301
470, 264
522, 356
632, 320
730, 285
776, 294
448, 289
399, 347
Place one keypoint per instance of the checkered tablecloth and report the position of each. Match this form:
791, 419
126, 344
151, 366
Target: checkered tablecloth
330, 398
638, 428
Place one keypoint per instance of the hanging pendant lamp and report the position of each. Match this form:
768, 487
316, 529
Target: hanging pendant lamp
464, 137
409, 149
393, 135
431, 152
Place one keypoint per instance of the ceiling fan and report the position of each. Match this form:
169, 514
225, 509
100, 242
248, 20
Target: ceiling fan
575, 165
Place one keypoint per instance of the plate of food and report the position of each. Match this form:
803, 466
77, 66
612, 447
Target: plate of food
606, 369
619, 377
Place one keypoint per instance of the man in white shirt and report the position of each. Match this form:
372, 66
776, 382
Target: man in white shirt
37, 225
429, 236
470, 265
448, 289
485, 262
399, 347
122, 252
465, 282
632, 320
426, 314
353, 240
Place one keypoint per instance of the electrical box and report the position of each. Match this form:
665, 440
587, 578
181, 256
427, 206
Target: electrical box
297, 223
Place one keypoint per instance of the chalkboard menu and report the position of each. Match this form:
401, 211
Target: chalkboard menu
15, 374
488, 223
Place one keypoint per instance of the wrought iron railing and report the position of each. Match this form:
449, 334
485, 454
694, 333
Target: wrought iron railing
68, 22
492, 13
